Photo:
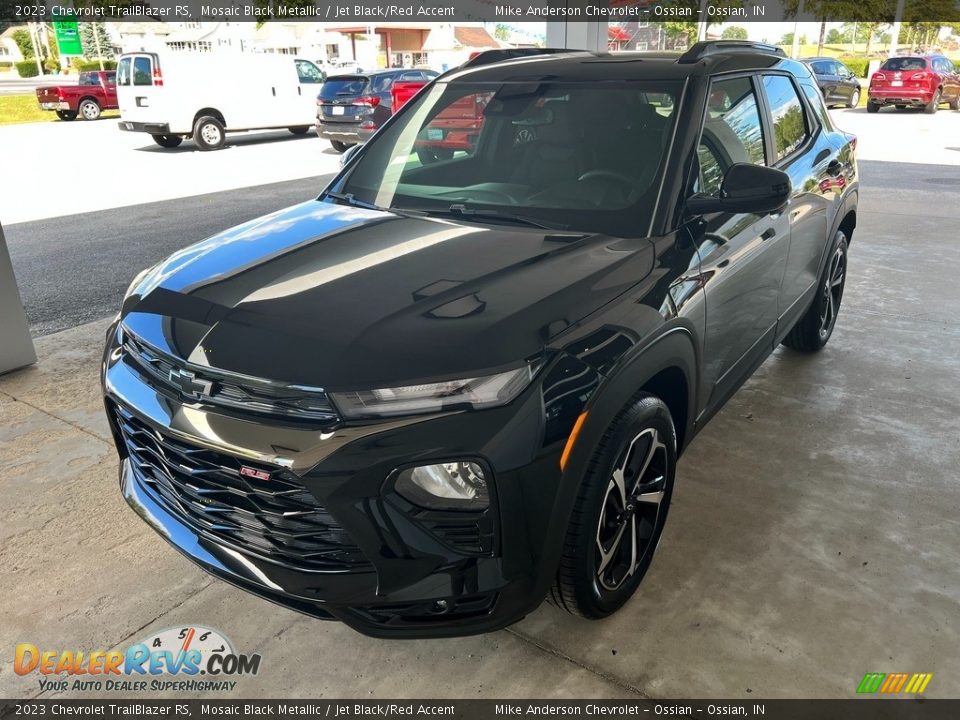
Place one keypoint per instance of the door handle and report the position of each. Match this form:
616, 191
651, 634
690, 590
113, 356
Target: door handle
768, 233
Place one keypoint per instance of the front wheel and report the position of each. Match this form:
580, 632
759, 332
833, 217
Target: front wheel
209, 133
854, 99
955, 103
167, 141
814, 329
934, 103
89, 110
66, 115
620, 511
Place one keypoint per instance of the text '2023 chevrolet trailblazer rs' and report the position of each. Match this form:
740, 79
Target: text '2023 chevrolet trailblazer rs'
441, 392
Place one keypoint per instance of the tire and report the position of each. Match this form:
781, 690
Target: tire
901, 107
601, 568
955, 103
208, 133
89, 109
814, 329
167, 141
931, 107
339, 146
872, 107
429, 155
302, 130
66, 115
854, 99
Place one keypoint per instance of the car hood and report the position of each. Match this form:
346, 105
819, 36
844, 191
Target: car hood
347, 298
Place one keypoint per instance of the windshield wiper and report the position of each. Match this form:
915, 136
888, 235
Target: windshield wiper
351, 199
458, 210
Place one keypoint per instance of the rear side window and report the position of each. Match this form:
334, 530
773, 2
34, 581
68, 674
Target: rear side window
790, 127
822, 67
111, 78
343, 87
815, 98
123, 71
89, 79
381, 83
732, 132
142, 71
904, 63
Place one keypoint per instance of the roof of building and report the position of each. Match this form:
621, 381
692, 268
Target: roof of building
474, 37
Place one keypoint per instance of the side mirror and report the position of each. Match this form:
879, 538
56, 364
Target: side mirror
348, 155
746, 188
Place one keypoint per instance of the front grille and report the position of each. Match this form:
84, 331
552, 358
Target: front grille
277, 520
225, 389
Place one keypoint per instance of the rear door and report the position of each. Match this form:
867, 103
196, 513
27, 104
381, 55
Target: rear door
140, 88
109, 82
826, 72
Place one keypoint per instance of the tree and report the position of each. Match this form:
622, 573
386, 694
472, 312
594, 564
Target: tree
22, 39
501, 32
89, 42
835, 37
734, 32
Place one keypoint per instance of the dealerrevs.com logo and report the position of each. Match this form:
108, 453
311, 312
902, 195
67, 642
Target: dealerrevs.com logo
184, 659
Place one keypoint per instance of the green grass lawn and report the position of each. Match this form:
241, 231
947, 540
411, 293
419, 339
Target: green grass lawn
24, 109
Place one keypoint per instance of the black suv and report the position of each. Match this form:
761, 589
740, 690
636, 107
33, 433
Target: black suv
838, 85
351, 108
440, 392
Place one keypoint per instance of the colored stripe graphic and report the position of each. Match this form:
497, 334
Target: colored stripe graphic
894, 683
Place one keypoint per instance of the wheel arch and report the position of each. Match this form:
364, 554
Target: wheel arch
82, 100
212, 112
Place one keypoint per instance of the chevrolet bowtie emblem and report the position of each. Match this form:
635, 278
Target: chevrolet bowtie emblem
188, 384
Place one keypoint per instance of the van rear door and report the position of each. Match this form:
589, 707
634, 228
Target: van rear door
140, 88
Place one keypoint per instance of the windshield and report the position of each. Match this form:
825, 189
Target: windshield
573, 155
904, 63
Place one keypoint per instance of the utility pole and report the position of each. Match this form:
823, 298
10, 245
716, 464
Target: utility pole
795, 51
36, 50
96, 41
895, 32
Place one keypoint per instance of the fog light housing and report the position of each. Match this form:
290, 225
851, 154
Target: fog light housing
445, 486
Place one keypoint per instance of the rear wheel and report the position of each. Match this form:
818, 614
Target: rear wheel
814, 329
167, 141
208, 133
934, 103
430, 155
66, 115
302, 130
339, 146
620, 511
89, 109
872, 107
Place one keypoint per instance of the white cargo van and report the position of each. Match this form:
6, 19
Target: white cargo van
177, 95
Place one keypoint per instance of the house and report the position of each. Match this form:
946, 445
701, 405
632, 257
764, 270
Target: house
450, 45
9, 50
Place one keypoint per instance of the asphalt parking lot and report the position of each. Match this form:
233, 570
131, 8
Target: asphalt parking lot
813, 532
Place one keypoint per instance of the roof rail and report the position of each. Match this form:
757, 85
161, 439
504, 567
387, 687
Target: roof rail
486, 57
704, 48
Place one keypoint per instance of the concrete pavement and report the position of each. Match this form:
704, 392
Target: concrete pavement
813, 535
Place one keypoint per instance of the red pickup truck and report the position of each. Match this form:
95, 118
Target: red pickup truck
455, 128
96, 91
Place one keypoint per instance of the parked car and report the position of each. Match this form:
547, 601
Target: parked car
455, 128
838, 85
350, 108
925, 81
344, 67
204, 96
439, 393
95, 92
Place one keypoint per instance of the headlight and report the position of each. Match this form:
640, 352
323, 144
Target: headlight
475, 393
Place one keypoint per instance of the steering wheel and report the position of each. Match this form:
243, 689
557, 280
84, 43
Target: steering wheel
608, 175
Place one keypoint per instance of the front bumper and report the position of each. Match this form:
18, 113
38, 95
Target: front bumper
416, 581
